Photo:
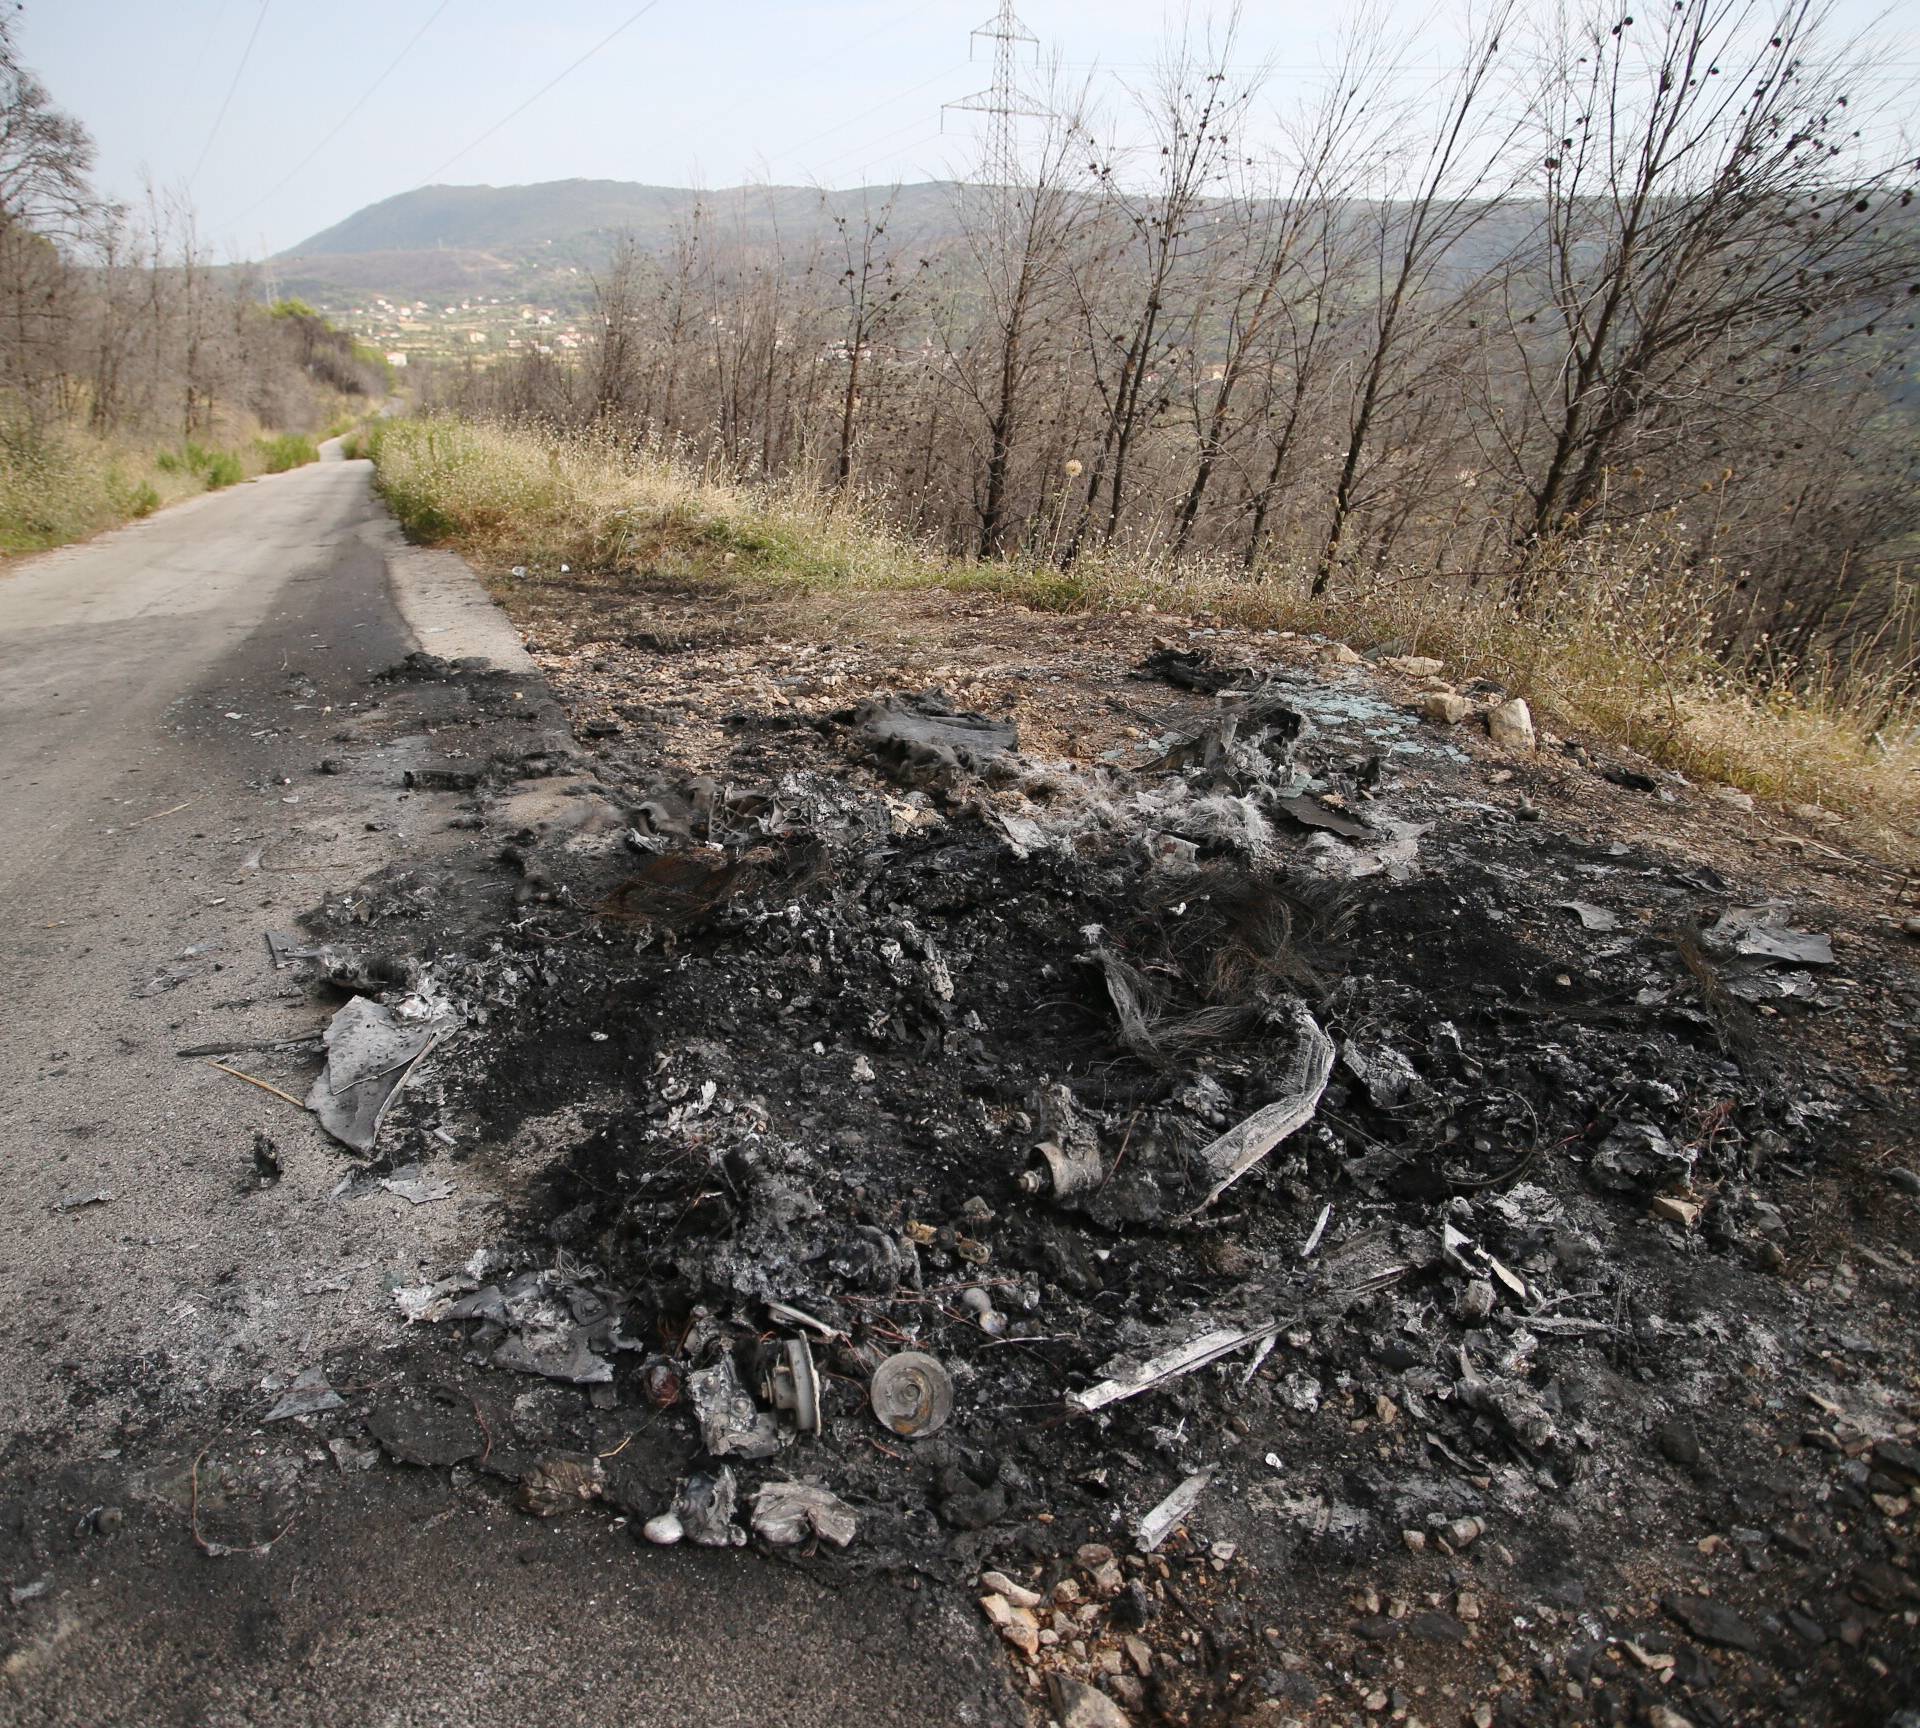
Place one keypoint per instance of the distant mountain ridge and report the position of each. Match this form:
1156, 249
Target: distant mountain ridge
440, 240
486, 218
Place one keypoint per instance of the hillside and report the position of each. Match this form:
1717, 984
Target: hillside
538, 244
533, 241
432, 218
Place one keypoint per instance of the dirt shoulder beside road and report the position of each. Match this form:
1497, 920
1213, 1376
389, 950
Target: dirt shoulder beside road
199, 749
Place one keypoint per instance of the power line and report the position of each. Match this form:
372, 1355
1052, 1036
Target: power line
246, 54
1288, 68
466, 149
793, 150
206, 42
872, 145
392, 66
838, 55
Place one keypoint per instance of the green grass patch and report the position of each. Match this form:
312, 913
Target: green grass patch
223, 468
361, 441
58, 485
212, 468
287, 450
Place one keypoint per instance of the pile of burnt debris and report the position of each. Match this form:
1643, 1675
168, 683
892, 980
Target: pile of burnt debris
1249, 1191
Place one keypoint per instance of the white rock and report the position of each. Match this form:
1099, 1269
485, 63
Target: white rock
663, 1531
1445, 707
1413, 665
1018, 1594
1511, 725
1078, 1705
1025, 1635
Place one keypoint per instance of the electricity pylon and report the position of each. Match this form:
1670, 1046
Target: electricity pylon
1004, 102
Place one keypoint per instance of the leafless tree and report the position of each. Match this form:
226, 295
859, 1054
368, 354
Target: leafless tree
679, 299
1716, 227
1018, 244
45, 204
1143, 329
45, 155
617, 335
875, 294
1286, 222
1444, 191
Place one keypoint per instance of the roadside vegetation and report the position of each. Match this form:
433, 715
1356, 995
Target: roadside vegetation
60, 483
1591, 368
132, 374
1615, 640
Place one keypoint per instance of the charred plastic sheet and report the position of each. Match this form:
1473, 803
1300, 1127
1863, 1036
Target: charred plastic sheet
370, 1049
925, 736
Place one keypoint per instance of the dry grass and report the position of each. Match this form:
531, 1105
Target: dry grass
1615, 646
60, 484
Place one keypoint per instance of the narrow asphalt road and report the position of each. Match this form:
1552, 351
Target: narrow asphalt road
166, 694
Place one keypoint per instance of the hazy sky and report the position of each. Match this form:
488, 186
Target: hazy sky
838, 92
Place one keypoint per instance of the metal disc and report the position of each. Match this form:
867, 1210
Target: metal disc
912, 1394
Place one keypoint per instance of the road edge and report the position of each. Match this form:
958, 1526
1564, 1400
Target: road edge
443, 602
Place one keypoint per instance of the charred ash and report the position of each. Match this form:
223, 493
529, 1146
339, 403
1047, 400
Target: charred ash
1279, 1230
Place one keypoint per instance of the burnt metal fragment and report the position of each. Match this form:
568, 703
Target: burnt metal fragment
912, 1394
